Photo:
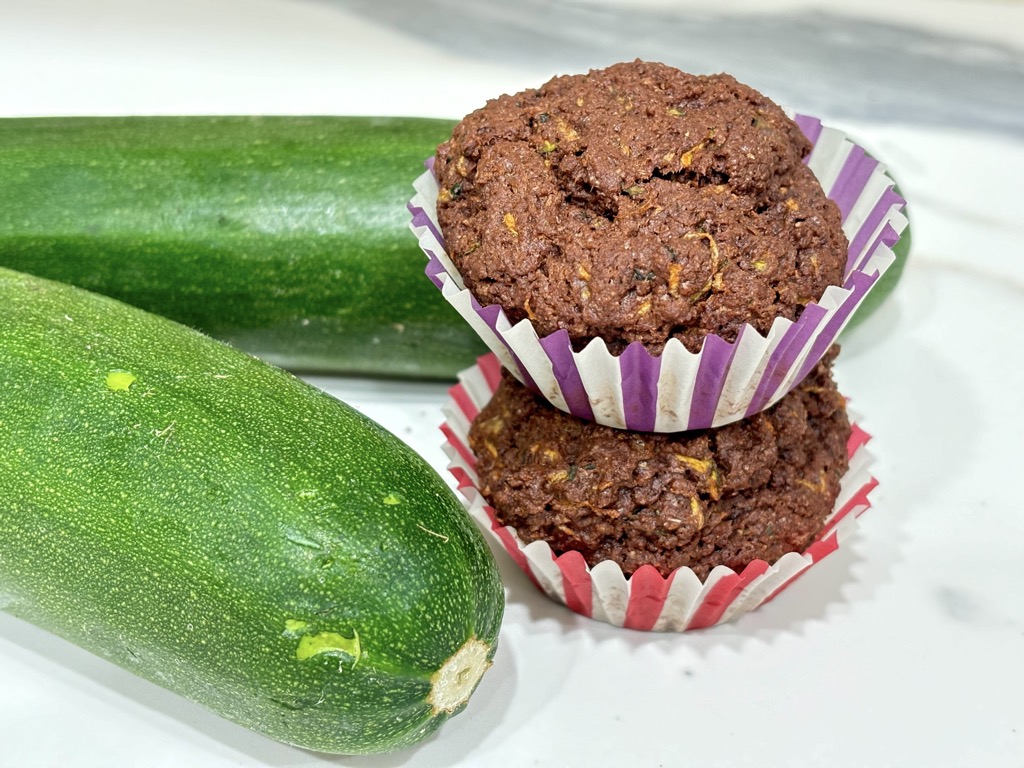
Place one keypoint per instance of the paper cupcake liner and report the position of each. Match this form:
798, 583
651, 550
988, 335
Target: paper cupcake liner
680, 390
646, 600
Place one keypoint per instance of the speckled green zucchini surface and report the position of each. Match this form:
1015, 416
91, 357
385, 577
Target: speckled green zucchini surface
286, 236
227, 531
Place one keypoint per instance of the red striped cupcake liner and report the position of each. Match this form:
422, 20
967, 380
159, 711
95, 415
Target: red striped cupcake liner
680, 390
646, 600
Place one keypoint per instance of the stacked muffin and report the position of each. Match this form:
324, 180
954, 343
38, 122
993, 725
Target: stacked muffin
754, 489
662, 276
638, 204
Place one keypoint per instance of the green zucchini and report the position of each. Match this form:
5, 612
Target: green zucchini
220, 527
285, 236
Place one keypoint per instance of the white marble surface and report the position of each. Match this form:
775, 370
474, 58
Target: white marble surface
903, 649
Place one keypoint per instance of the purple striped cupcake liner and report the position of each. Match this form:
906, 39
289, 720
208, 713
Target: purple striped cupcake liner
723, 382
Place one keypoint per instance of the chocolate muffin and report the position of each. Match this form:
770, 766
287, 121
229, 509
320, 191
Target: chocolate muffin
754, 489
637, 203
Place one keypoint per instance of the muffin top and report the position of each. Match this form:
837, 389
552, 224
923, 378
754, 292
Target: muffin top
637, 203
754, 489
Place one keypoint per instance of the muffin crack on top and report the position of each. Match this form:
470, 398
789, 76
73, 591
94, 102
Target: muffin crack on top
638, 203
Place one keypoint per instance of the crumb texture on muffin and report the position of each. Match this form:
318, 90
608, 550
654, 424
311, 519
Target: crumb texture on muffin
754, 489
638, 203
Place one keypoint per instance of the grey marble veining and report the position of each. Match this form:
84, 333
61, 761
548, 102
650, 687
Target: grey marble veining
821, 62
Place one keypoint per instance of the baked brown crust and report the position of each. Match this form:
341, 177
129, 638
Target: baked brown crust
637, 203
753, 489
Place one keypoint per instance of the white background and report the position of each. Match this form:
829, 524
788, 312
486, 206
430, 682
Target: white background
904, 648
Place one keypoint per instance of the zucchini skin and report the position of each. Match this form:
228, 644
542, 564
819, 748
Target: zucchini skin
215, 525
285, 236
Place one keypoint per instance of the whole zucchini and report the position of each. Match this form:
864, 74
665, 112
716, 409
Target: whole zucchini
286, 236
229, 532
